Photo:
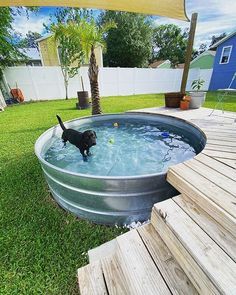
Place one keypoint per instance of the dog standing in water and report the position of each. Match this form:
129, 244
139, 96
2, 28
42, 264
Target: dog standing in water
82, 140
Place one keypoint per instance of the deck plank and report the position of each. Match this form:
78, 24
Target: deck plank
214, 176
217, 165
219, 234
191, 268
221, 148
219, 274
103, 250
214, 136
201, 184
115, 279
221, 131
91, 280
172, 273
221, 143
219, 154
212, 207
231, 163
138, 267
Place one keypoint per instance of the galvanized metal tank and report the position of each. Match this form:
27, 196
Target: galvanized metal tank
110, 200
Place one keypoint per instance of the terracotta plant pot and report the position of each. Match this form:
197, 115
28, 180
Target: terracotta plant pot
172, 99
184, 105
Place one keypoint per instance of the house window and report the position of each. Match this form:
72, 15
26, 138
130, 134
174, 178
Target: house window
225, 55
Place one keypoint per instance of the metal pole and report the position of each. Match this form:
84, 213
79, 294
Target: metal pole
189, 52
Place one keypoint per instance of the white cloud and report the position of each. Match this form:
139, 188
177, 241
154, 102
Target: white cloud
34, 23
214, 17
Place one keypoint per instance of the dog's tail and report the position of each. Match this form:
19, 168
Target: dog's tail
61, 123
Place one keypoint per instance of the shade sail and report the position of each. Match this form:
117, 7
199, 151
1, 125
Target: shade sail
169, 8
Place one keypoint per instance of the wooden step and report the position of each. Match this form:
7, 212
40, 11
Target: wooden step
141, 264
217, 165
104, 250
116, 281
171, 271
214, 176
141, 273
208, 267
216, 201
215, 230
90, 279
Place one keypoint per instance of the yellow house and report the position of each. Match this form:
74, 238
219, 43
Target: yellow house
49, 52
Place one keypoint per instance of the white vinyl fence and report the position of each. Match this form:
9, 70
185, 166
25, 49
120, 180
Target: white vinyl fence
46, 83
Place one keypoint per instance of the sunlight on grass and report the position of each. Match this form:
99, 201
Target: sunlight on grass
41, 245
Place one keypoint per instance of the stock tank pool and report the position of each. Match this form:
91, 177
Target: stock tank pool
126, 173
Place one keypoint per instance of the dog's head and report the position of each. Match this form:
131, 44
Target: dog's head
89, 137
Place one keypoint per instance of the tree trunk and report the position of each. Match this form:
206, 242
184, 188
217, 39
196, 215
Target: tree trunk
66, 79
66, 88
93, 77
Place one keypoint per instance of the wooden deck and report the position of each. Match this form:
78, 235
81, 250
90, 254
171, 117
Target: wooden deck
189, 247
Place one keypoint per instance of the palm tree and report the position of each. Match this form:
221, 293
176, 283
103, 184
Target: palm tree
91, 36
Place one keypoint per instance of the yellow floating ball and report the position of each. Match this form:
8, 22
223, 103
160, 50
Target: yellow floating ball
116, 125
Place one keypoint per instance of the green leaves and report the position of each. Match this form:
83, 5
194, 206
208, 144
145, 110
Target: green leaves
171, 43
9, 53
129, 44
197, 84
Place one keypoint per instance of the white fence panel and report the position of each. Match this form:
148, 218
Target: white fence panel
44, 83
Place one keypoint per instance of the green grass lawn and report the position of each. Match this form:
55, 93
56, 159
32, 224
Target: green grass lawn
41, 245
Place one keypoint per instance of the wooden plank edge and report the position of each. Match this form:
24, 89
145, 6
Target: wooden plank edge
106, 249
214, 210
191, 268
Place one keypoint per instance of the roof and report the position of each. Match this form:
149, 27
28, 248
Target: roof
207, 52
31, 53
168, 8
167, 64
43, 38
156, 64
223, 40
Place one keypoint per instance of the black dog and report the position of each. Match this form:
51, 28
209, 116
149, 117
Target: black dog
82, 140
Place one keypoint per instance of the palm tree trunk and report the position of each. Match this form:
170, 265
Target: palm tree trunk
93, 77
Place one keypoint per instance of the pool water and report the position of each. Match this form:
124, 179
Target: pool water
125, 148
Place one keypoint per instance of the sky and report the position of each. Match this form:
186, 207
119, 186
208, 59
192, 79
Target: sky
214, 17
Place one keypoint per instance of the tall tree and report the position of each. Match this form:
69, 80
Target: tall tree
29, 40
65, 15
215, 39
171, 43
70, 51
9, 53
130, 43
202, 48
9, 50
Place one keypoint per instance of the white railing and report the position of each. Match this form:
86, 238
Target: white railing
46, 83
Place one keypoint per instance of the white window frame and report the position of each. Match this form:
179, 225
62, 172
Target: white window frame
224, 63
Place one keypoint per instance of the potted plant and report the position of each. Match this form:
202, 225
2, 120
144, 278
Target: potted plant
83, 98
197, 96
172, 99
184, 103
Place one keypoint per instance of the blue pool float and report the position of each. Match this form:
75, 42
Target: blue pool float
165, 134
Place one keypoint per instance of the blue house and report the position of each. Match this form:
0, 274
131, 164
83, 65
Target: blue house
225, 63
